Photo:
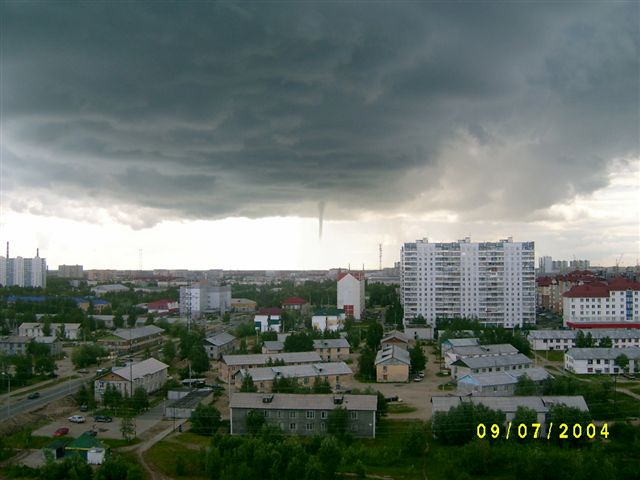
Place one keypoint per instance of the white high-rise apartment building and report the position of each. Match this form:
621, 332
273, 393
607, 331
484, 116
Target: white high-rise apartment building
202, 298
493, 282
23, 272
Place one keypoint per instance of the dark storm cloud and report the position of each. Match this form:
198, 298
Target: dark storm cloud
214, 110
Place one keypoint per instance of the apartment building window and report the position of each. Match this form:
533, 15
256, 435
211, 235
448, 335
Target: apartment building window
323, 415
292, 414
266, 414
309, 427
311, 414
292, 426
353, 415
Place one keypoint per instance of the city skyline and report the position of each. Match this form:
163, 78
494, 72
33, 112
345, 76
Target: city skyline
216, 136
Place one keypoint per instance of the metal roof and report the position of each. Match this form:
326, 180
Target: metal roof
286, 401
135, 333
331, 343
504, 378
220, 339
397, 335
462, 342
263, 358
498, 361
273, 345
140, 369
632, 353
508, 404
480, 350
262, 374
392, 352
612, 333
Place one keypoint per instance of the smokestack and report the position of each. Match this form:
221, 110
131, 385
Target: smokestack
37, 252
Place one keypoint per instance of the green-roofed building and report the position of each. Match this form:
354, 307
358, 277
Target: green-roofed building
83, 444
328, 318
55, 449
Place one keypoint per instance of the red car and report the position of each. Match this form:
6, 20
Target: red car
61, 431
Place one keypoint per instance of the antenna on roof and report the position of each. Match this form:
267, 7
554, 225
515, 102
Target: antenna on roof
37, 252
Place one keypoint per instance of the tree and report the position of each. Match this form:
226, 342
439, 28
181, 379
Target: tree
298, 342
118, 468
198, 358
118, 320
247, 385
131, 319
140, 400
527, 416
338, 422
561, 413
23, 367
255, 421
375, 333
458, 425
60, 332
226, 318
525, 387
415, 440
46, 326
127, 427
584, 341
44, 365
74, 467
418, 358
366, 363
86, 355
329, 454
168, 352
622, 362
150, 319
321, 386
205, 419
111, 397
605, 342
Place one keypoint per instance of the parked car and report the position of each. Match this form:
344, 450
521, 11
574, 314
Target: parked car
61, 431
76, 419
84, 408
417, 379
33, 395
83, 370
421, 374
103, 418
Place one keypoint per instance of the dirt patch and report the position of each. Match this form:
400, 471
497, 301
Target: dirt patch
48, 412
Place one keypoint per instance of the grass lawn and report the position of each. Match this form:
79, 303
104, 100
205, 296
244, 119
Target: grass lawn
118, 442
192, 439
553, 355
164, 456
400, 408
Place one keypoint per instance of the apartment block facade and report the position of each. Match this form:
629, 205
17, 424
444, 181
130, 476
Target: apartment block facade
23, 272
493, 282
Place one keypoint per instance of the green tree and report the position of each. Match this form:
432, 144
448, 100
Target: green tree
247, 384
605, 342
46, 326
622, 362
329, 454
150, 319
127, 426
140, 400
298, 342
338, 422
131, 319
375, 333
525, 387
526, 416
321, 385
72, 467
418, 358
198, 358
414, 442
60, 332
168, 351
458, 425
111, 397
118, 468
118, 320
366, 364
205, 419
561, 413
255, 421
226, 318
87, 354
44, 365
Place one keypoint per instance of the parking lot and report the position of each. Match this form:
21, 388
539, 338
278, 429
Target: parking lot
143, 423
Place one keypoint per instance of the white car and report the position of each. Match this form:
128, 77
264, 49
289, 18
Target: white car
76, 419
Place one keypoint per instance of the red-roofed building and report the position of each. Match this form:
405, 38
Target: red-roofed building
603, 304
163, 307
270, 311
351, 293
296, 303
550, 290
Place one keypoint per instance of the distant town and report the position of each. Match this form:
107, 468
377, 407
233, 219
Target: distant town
95, 362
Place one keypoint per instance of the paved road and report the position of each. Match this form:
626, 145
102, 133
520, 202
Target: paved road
22, 404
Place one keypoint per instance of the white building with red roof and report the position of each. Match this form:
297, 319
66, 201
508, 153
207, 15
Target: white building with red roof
163, 307
296, 303
351, 293
612, 304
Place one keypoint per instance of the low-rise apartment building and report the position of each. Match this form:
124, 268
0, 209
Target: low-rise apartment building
398, 339
338, 374
219, 344
392, 364
495, 350
498, 383
600, 360
330, 319
541, 340
243, 305
503, 363
304, 415
14, 344
450, 343
70, 331
268, 320
124, 340
332, 349
272, 346
150, 374
231, 364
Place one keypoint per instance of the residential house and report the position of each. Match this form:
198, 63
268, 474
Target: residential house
150, 374
268, 319
495, 350
296, 304
163, 307
450, 343
338, 374
304, 415
330, 319
53, 344
509, 405
398, 339
231, 364
219, 344
85, 446
14, 344
243, 305
415, 334
600, 360
272, 346
498, 383
183, 405
392, 364
36, 329
502, 363
124, 340
332, 349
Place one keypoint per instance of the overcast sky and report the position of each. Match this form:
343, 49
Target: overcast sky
209, 135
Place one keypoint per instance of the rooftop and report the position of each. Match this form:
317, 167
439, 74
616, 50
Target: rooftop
479, 350
220, 339
273, 345
395, 335
140, 369
270, 311
263, 358
134, 333
328, 312
356, 275
504, 378
461, 342
294, 301
612, 333
603, 353
508, 404
288, 401
331, 343
498, 361
602, 289
262, 374
392, 352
